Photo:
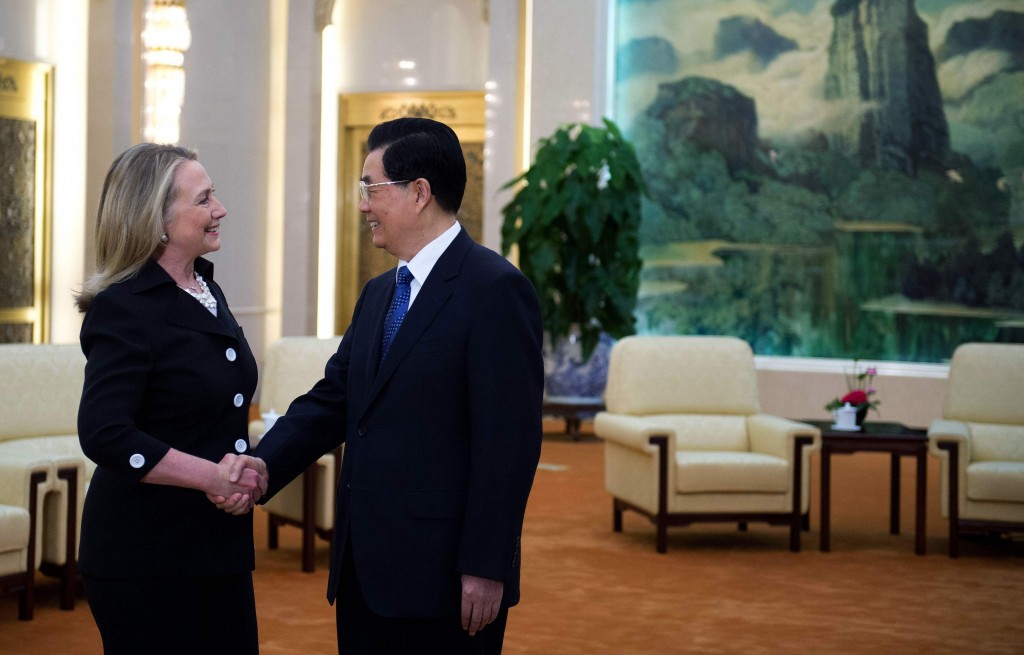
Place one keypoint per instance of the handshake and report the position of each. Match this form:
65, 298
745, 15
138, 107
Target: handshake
241, 482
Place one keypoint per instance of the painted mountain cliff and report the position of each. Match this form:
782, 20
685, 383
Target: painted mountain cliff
880, 65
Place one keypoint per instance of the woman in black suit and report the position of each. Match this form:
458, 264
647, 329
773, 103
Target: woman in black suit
164, 412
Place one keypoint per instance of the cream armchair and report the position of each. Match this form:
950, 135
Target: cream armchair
24, 482
685, 440
980, 441
292, 366
40, 388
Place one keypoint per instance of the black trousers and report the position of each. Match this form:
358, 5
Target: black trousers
203, 615
362, 632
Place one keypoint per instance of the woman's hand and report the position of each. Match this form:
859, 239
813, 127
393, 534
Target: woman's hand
244, 481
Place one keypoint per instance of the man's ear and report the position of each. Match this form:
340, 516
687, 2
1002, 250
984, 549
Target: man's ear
424, 194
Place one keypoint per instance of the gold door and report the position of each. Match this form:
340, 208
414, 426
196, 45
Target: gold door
358, 260
26, 90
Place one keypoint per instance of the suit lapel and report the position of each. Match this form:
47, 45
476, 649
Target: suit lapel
378, 299
184, 311
187, 313
429, 301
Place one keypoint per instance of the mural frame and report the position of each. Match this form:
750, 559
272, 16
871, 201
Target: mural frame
849, 298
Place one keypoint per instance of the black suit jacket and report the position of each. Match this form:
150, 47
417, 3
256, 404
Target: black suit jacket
162, 372
441, 441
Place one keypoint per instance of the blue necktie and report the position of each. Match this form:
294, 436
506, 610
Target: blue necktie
399, 306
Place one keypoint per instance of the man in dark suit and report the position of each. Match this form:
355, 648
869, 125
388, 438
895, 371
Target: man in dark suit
439, 411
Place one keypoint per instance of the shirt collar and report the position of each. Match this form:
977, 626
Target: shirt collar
423, 262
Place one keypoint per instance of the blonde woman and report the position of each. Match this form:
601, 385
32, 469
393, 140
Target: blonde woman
163, 414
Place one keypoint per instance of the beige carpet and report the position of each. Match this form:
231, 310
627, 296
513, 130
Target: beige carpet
717, 590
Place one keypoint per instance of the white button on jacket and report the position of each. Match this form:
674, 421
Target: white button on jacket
230, 354
239, 399
137, 461
241, 445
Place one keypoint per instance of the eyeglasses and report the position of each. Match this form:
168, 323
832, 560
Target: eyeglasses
364, 188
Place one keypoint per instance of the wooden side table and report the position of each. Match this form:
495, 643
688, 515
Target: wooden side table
573, 410
893, 438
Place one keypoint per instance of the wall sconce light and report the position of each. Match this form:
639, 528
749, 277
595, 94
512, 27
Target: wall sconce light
165, 38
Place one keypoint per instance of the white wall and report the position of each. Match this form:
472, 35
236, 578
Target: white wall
226, 118
447, 40
251, 108
112, 68
568, 83
911, 394
301, 171
19, 29
55, 32
569, 64
502, 156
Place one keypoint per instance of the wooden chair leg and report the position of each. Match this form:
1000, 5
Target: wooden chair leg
27, 597
616, 516
953, 500
67, 585
69, 571
662, 538
660, 442
797, 518
308, 549
309, 519
272, 532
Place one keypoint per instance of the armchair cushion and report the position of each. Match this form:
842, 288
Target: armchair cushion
14, 530
991, 442
292, 366
704, 431
60, 446
996, 481
985, 384
731, 472
40, 386
717, 377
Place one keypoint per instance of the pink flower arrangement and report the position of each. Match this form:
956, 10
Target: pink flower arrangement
860, 388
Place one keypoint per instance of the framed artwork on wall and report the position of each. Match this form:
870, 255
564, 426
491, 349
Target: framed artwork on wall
26, 92
829, 178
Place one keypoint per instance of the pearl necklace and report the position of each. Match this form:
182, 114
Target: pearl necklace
203, 295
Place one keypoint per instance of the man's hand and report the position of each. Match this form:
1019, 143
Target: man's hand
481, 600
246, 480
241, 464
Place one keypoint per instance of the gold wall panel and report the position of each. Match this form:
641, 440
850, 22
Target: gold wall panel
26, 90
358, 261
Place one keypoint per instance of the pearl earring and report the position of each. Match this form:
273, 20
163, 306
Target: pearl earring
163, 238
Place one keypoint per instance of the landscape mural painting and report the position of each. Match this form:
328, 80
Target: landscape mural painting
829, 178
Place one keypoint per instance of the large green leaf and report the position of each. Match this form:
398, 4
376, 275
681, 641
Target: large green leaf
578, 239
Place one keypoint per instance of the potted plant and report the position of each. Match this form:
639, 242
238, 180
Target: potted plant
860, 387
575, 220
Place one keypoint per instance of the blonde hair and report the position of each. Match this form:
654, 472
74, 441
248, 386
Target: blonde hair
133, 213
